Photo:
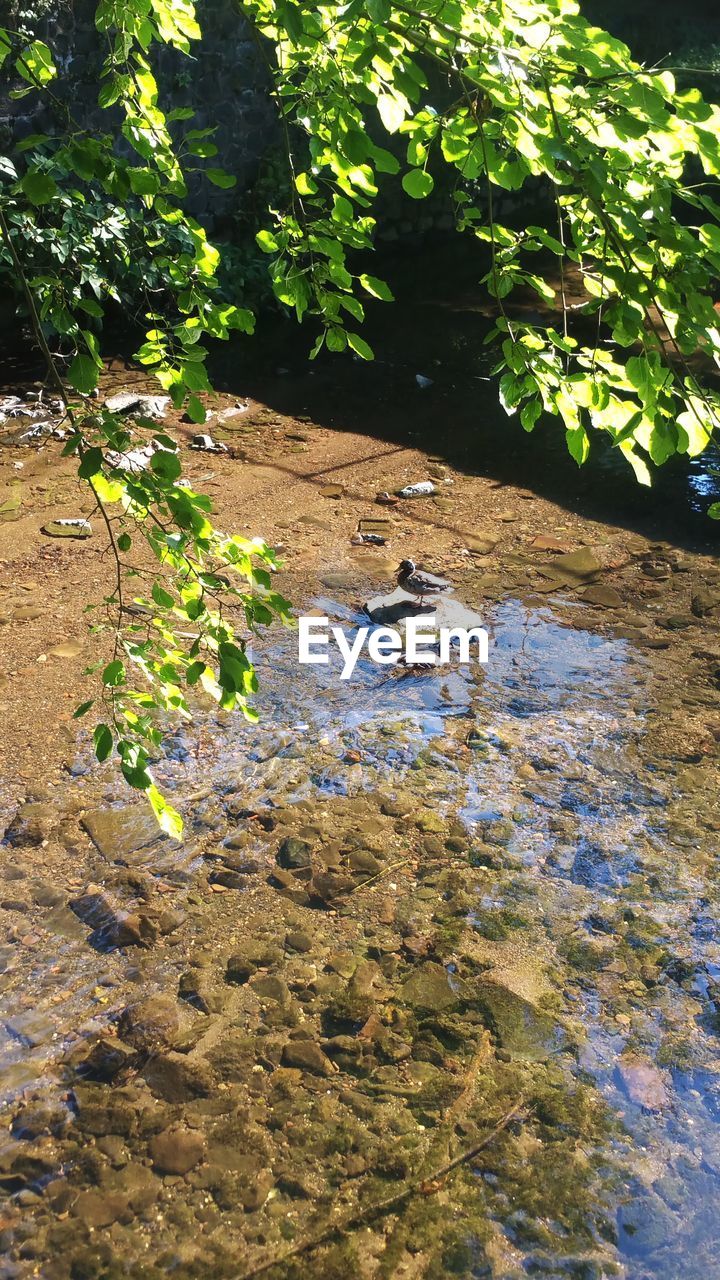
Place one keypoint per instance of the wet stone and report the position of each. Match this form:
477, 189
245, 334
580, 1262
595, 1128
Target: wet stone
298, 940
174, 1077
123, 835
644, 1084
307, 1055
151, 1023
98, 1210
177, 1150
107, 1059
31, 825
521, 1027
294, 854
428, 988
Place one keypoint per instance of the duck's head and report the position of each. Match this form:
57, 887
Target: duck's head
406, 566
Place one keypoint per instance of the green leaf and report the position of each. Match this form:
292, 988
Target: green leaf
162, 597
196, 410
39, 188
220, 178
114, 674
92, 462
35, 64
360, 346
392, 111
124, 542
165, 464
418, 184
168, 818
83, 709
267, 242
144, 182
378, 288
83, 374
102, 742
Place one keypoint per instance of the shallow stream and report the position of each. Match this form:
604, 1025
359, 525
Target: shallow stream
596, 863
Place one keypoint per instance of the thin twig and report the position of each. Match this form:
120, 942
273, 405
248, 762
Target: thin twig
382, 1207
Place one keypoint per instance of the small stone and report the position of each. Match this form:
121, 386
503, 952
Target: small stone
177, 1150
194, 988
604, 597
428, 987
107, 1059
270, 987
546, 542
308, 1056
331, 491
229, 879
574, 568
644, 1084
151, 1024
27, 613
294, 854
703, 602
176, 1077
66, 649
299, 941
678, 622
480, 545
144, 405
124, 834
239, 969
98, 1209
364, 861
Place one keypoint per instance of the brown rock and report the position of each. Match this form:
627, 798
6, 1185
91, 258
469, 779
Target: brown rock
151, 1024
643, 1083
177, 1150
97, 1209
604, 597
307, 1055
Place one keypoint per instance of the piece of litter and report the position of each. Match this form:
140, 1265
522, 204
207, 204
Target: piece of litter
423, 382
207, 445
130, 401
358, 539
420, 490
132, 460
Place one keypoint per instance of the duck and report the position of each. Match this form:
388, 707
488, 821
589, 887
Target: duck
418, 583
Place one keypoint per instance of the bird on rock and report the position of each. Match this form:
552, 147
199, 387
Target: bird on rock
418, 583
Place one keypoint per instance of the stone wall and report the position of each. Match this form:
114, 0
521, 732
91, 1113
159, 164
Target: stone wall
224, 81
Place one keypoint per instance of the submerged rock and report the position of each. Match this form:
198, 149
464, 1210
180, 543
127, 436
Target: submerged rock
308, 1056
522, 1028
294, 854
643, 1083
428, 988
151, 1024
31, 825
123, 835
177, 1150
445, 611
